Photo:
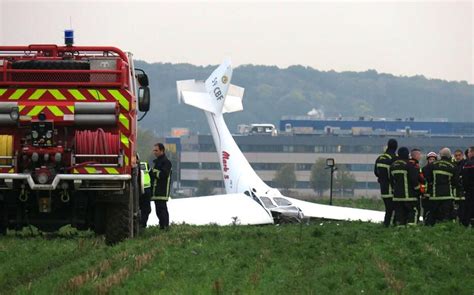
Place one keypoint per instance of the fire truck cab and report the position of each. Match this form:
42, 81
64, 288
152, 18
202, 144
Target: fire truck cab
68, 121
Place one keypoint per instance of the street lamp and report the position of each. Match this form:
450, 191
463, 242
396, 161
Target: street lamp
330, 164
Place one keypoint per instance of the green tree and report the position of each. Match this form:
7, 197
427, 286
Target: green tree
344, 180
145, 141
285, 177
320, 177
204, 187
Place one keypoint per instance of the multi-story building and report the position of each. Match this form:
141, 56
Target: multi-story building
354, 144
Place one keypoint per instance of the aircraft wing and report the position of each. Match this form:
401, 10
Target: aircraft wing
219, 209
337, 213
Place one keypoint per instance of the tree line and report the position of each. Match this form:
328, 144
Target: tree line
272, 92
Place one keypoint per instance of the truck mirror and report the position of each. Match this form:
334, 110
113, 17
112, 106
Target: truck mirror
142, 79
144, 99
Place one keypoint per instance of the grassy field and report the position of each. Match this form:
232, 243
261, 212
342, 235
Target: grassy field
317, 258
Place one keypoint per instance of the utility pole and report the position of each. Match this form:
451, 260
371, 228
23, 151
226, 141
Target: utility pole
330, 164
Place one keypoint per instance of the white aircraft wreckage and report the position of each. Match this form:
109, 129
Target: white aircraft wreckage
248, 200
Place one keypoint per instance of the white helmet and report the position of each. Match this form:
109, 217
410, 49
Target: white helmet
432, 155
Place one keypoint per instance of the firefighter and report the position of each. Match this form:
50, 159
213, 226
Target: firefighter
468, 185
405, 183
161, 183
382, 171
145, 195
442, 179
415, 157
430, 158
459, 199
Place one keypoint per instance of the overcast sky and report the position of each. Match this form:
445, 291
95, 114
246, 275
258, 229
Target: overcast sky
434, 39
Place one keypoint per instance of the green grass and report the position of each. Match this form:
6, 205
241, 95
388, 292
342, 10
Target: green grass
319, 258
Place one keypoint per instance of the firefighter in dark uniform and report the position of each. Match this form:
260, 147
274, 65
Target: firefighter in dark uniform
431, 157
404, 179
415, 157
160, 176
459, 199
468, 184
382, 171
442, 180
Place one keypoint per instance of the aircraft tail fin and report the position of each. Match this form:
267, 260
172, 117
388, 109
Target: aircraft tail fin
215, 95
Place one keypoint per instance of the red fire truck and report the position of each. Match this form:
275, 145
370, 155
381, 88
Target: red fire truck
68, 122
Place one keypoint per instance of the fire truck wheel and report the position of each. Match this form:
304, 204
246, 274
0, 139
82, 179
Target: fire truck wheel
99, 219
118, 224
3, 228
136, 207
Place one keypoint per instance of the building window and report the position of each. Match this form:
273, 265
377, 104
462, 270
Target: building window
288, 148
189, 165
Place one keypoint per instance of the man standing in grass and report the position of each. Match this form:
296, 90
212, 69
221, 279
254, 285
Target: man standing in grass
161, 183
415, 157
382, 171
405, 183
468, 184
459, 199
425, 202
442, 180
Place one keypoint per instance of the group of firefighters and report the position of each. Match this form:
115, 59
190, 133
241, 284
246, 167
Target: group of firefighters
441, 190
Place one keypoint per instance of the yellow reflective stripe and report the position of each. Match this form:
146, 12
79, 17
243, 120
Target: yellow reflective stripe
405, 181
77, 94
71, 109
91, 169
2, 91
57, 94
435, 176
37, 94
124, 140
441, 198
17, 94
111, 170
21, 107
381, 165
120, 98
96, 94
35, 111
125, 122
11, 170
442, 172
75, 171
56, 111
127, 160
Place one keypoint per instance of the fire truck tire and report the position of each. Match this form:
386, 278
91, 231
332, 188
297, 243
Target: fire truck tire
99, 219
118, 223
3, 227
136, 204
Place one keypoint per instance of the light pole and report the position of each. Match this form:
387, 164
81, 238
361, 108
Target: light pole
330, 164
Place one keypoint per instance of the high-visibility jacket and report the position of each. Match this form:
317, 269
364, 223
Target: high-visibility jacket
146, 174
382, 171
404, 180
442, 177
160, 176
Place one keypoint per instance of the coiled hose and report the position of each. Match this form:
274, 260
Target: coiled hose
97, 142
